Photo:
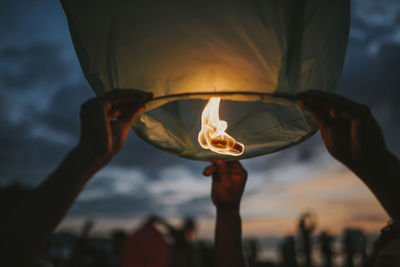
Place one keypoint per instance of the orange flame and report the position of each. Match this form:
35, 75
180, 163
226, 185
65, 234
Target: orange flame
212, 134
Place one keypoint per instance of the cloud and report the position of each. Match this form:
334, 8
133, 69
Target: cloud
375, 23
337, 197
62, 114
383, 13
117, 206
36, 65
39, 111
179, 192
114, 180
179, 184
137, 153
374, 80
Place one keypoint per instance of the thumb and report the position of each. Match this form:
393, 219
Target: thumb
209, 170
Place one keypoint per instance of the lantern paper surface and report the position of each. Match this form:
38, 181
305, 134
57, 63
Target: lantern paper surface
254, 55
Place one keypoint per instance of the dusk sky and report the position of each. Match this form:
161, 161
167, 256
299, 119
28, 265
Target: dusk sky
42, 88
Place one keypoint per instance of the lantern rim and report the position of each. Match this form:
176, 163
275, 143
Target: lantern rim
243, 96
281, 99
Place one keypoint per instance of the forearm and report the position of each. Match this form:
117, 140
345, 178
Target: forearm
383, 178
25, 232
228, 239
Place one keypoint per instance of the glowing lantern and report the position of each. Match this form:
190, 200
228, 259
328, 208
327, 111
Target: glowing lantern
247, 57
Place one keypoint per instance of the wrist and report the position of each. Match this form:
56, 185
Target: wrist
86, 160
228, 210
380, 165
91, 155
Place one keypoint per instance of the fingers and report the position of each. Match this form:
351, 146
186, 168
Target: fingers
326, 106
320, 115
117, 96
125, 104
125, 113
320, 112
236, 167
218, 170
209, 170
326, 100
222, 168
224, 171
92, 109
336, 113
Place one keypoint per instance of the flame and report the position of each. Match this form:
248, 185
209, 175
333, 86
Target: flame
212, 134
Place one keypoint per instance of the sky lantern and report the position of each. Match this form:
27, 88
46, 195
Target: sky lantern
224, 73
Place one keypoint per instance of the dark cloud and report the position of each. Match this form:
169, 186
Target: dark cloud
197, 207
140, 205
38, 64
63, 112
117, 206
137, 153
374, 80
36, 143
28, 159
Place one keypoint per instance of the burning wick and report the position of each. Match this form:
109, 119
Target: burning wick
212, 134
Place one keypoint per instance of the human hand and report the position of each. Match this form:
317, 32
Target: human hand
348, 129
229, 180
105, 121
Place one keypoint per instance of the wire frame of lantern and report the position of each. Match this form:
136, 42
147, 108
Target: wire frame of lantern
249, 58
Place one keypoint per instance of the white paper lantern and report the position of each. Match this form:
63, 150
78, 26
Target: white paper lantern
254, 55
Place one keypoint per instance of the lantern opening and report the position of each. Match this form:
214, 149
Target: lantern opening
212, 134
174, 124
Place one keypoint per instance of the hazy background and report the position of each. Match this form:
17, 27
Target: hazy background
42, 87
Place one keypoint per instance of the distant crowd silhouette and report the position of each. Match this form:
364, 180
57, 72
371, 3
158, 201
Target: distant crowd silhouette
351, 135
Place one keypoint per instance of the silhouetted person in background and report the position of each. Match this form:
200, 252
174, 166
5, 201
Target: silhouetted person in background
105, 123
118, 238
252, 249
182, 250
146, 247
326, 243
228, 182
288, 252
206, 254
353, 137
87, 254
355, 245
306, 228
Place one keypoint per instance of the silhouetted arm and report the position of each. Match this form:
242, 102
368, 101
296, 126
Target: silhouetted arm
229, 179
171, 229
353, 137
105, 124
